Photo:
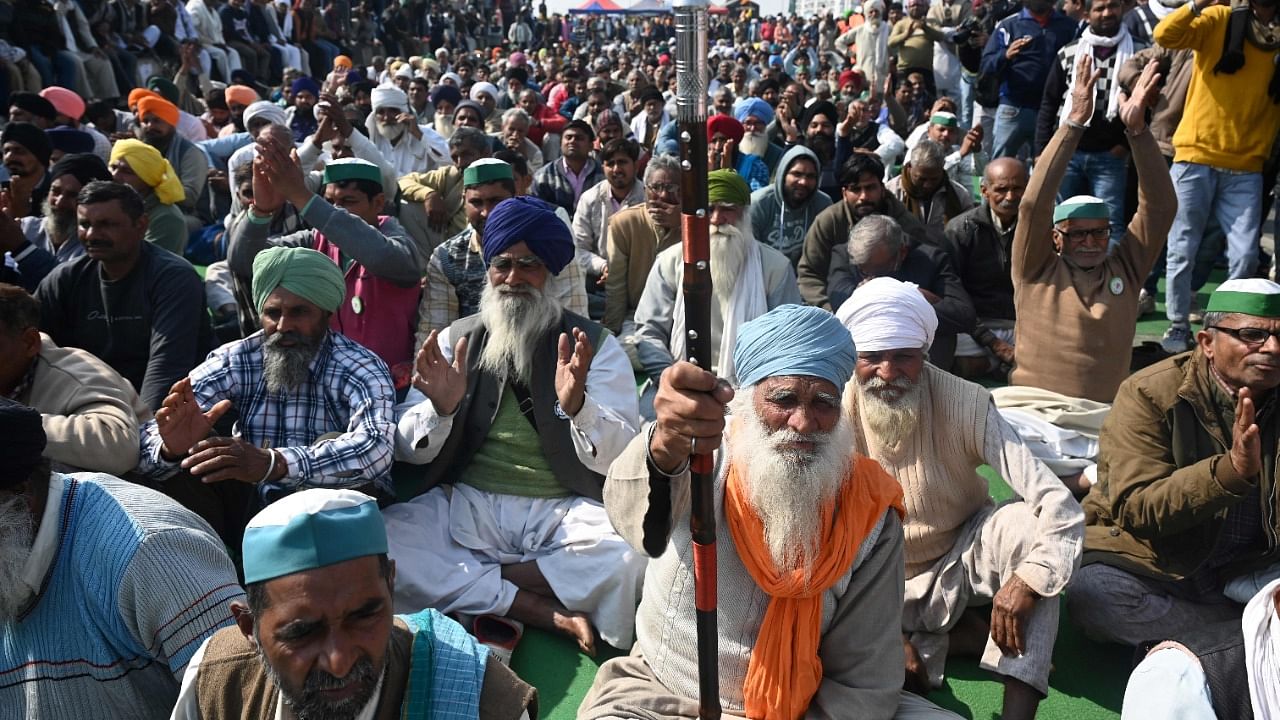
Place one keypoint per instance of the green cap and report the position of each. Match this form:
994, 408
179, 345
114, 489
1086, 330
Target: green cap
352, 169
944, 118
486, 170
727, 187
1248, 296
1081, 207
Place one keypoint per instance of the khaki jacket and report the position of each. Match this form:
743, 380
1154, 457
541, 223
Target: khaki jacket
1165, 482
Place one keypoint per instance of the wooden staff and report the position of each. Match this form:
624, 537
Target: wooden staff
691, 114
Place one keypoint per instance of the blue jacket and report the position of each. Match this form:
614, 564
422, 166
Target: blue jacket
1022, 79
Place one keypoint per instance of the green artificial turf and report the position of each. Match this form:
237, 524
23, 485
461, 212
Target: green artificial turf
1087, 682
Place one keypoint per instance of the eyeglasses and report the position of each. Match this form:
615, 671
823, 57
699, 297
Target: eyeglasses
503, 263
1248, 335
662, 188
1078, 236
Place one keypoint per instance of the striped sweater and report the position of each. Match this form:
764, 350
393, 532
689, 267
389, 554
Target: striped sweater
128, 585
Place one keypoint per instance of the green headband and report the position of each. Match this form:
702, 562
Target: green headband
945, 119
343, 171
481, 172
1081, 207
1267, 306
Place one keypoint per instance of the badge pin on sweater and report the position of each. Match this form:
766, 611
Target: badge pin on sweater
1117, 285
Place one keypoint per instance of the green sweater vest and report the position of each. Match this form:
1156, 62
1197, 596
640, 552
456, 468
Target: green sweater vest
510, 461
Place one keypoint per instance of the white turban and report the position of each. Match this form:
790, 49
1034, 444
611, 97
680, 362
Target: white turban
887, 314
389, 96
483, 87
452, 77
268, 111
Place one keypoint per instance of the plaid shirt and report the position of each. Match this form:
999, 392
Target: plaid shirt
349, 391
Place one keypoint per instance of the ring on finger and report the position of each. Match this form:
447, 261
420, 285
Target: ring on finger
693, 445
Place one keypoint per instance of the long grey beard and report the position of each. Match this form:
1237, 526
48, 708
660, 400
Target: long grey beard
444, 126
308, 704
754, 143
892, 422
515, 320
286, 368
58, 226
17, 535
788, 489
729, 245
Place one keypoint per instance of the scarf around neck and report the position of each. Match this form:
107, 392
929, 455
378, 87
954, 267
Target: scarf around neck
785, 669
1122, 41
1242, 24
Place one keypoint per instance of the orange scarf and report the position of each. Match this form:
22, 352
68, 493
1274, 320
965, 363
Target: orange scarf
785, 669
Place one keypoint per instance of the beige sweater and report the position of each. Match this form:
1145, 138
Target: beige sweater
1075, 327
634, 243
938, 474
91, 413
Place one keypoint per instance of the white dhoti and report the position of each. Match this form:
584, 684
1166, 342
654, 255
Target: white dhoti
450, 545
991, 546
1061, 431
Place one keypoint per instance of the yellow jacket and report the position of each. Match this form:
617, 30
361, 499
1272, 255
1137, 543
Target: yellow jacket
1230, 120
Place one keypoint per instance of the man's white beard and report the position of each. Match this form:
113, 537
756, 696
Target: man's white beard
754, 143
58, 226
789, 488
392, 132
17, 535
729, 245
891, 421
444, 125
515, 319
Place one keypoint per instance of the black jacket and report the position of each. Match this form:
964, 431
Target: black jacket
982, 260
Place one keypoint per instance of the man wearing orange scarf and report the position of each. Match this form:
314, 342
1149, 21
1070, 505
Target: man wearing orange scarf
809, 541
930, 430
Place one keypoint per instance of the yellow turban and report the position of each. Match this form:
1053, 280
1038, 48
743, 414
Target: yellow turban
148, 164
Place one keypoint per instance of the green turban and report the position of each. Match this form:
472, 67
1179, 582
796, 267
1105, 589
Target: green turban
303, 272
727, 186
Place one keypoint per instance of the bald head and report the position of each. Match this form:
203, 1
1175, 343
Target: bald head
1003, 183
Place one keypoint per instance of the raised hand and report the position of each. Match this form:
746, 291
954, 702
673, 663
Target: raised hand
282, 168
443, 383
182, 423
1083, 90
1246, 441
572, 363
972, 139
266, 199
1133, 106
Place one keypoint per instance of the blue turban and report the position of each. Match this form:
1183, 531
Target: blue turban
528, 220
305, 83
753, 106
794, 340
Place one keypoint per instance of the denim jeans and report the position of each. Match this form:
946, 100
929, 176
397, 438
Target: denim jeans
1235, 199
1015, 128
1103, 175
59, 70
966, 99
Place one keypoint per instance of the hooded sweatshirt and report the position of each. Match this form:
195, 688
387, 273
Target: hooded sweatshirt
779, 225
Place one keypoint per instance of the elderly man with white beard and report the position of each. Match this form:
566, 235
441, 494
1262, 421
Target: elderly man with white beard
315, 407
961, 549
749, 279
516, 413
106, 587
809, 541
395, 131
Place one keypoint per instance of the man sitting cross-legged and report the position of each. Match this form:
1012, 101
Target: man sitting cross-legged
521, 408
315, 407
809, 541
931, 430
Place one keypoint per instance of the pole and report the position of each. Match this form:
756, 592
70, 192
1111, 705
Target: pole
691, 116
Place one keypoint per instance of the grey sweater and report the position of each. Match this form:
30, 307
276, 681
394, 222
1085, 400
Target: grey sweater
776, 223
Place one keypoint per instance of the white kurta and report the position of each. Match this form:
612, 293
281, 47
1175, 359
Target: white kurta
451, 542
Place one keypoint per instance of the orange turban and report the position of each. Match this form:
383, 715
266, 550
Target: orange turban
242, 95
138, 94
159, 107
342, 61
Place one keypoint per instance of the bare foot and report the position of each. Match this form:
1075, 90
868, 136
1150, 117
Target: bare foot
578, 627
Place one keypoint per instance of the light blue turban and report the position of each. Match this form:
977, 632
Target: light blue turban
747, 107
794, 340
